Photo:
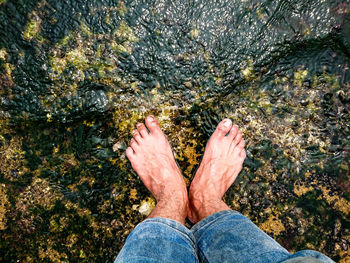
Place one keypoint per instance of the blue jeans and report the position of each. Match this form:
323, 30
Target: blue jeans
226, 236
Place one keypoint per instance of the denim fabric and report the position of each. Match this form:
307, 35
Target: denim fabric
226, 236
159, 240
308, 256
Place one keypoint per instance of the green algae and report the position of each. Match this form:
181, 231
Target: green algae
76, 77
32, 29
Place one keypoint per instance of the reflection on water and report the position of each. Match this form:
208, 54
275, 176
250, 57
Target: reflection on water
76, 76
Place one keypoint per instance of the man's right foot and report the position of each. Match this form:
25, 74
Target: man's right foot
222, 161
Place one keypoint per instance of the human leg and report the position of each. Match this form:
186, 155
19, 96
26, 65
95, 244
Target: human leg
223, 235
228, 236
159, 239
162, 237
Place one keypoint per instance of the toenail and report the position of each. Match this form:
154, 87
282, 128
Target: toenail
139, 125
227, 123
150, 118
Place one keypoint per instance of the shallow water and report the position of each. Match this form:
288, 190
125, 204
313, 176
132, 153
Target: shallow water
76, 76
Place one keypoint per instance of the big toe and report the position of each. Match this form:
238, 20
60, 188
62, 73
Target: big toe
152, 125
223, 128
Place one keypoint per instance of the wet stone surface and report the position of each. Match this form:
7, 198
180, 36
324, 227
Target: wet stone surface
76, 76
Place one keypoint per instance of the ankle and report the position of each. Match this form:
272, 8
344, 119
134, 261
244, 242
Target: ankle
176, 197
200, 208
172, 208
172, 205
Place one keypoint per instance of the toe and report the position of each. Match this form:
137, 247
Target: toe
233, 133
235, 142
130, 153
153, 125
134, 145
223, 128
242, 154
142, 130
237, 139
241, 145
137, 136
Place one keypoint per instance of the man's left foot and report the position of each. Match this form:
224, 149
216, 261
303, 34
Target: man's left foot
151, 157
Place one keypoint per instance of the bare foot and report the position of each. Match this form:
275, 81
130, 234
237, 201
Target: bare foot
222, 161
151, 157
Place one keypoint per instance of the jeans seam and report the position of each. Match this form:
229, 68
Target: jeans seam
202, 256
